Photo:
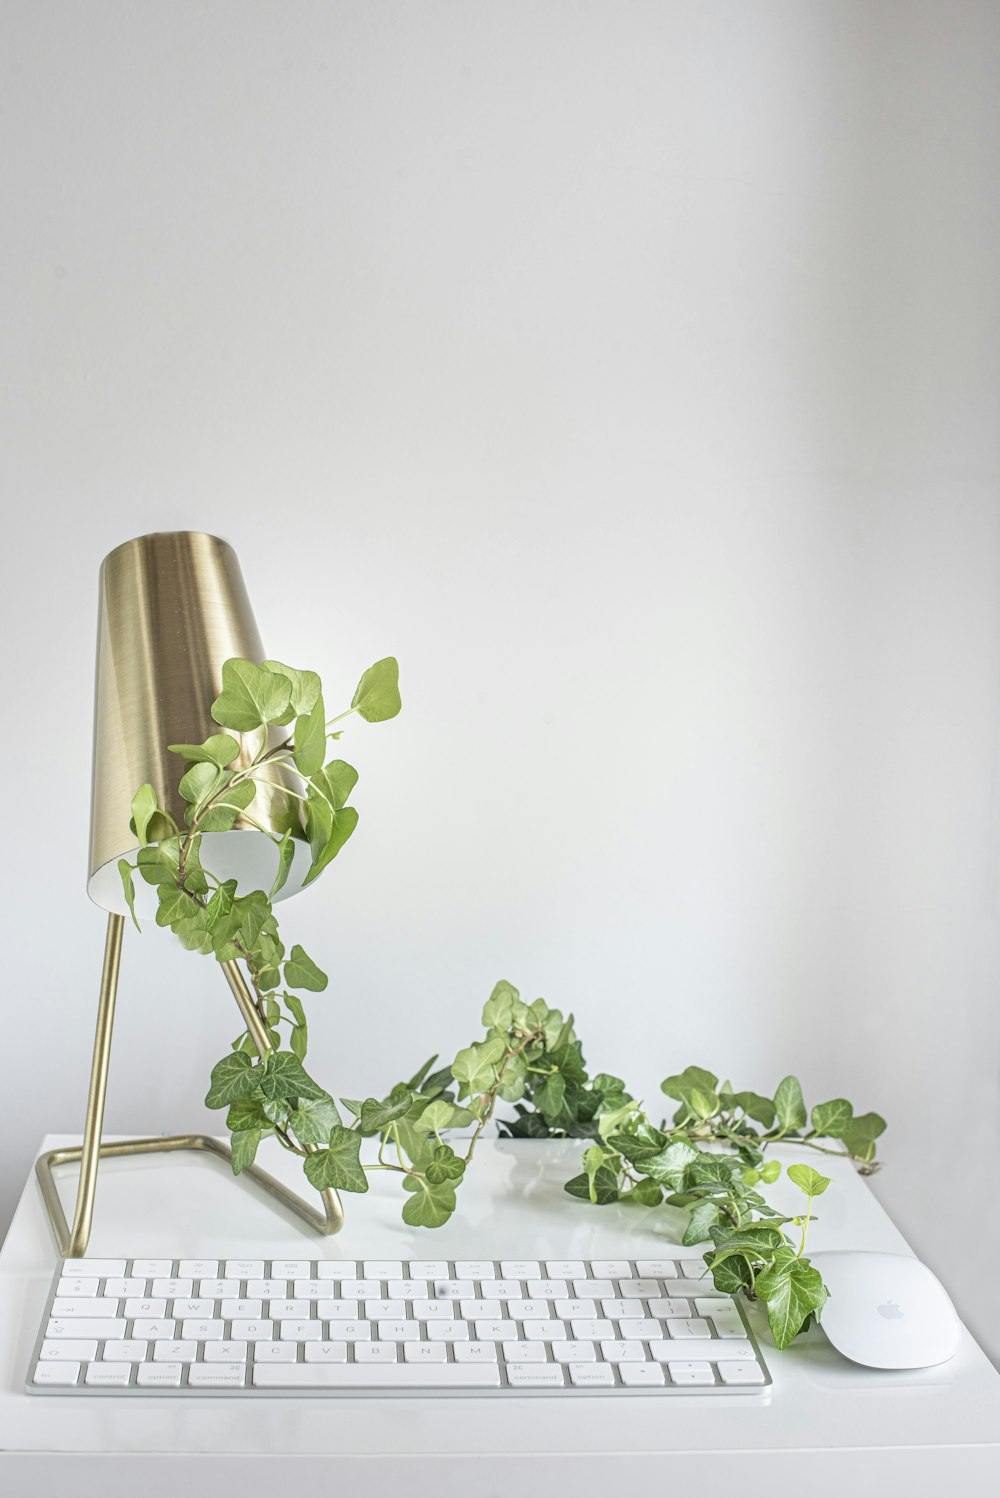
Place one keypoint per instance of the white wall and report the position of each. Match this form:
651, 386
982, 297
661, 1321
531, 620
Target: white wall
631, 371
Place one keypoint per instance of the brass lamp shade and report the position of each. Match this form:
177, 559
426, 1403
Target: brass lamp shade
173, 608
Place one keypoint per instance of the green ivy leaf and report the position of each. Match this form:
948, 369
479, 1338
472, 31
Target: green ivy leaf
144, 807
334, 783
680, 1086
759, 1108
286, 852
444, 1165
220, 904
299, 1038
732, 1275
310, 740
247, 1113
377, 1115
475, 1067
771, 1171
125, 873
250, 697
174, 906
158, 864
498, 1011
285, 1077
338, 1166
305, 686
328, 831
234, 799
602, 1190
441, 1114
219, 750
703, 1218
377, 697
302, 972
198, 783
244, 1148
860, 1135
233, 1077
791, 1296
808, 1180
831, 1119
431, 1203
314, 1120
789, 1105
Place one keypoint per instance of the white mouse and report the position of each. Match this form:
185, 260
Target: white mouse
886, 1310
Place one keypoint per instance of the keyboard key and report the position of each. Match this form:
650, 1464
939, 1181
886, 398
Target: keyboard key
199, 1268
360, 1289
528, 1310
709, 1350
170, 1288
535, 1376
397, 1376
291, 1269
506, 1290
216, 1375
338, 1310
593, 1289
497, 1331
80, 1326
336, 1269
519, 1269
75, 1286
91, 1267
454, 1289
91, 1306
225, 1352
350, 1331
146, 1307
472, 1269
433, 1310
591, 1375
326, 1352
375, 1310
291, 1310
108, 1375
125, 1351
129, 1286
275, 1352
203, 1331
566, 1269
475, 1352
447, 1331
306, 1289
574, 1352
174, 1352
68, 1352
728, 1323
615, 1269
741, 1373
691, 1373
568, 1309
383, 1269
639, 1328
151, 1269
398, 1331
639, 1289
547, 1289
270, 1289
375, 1352
524, 1352
475, 1309
429, 1269
587, 1327
56, 1373
252, 1310
301, 1331
617, 1351
544, 1331
686, 1326
656, 1268
199, 1308
407, 1289
243, 1269
693, 1269
713, 1305
253, 1331
425, 1352
664, 1306
153, 1330
158, 1375
642, 1375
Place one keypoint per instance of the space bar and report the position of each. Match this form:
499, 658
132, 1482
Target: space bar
387, 1376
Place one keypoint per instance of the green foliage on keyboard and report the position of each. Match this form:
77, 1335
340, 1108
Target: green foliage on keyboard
709, 1161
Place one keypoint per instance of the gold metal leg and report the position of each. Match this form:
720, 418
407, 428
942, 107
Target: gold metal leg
72, 1242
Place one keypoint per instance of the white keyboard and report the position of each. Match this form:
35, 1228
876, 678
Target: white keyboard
615, 1327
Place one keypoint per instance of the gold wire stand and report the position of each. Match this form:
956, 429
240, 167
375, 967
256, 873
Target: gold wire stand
72, 1241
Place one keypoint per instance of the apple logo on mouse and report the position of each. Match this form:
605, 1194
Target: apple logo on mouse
891, 1311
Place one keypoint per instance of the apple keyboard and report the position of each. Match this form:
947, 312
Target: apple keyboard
198, 1327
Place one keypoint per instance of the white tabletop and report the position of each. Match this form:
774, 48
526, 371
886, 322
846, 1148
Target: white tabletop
826, 1422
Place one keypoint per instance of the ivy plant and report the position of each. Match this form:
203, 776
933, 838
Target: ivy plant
526, 1073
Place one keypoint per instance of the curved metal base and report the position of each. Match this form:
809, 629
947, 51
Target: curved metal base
327, 1222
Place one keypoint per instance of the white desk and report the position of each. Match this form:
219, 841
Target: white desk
828, 1425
